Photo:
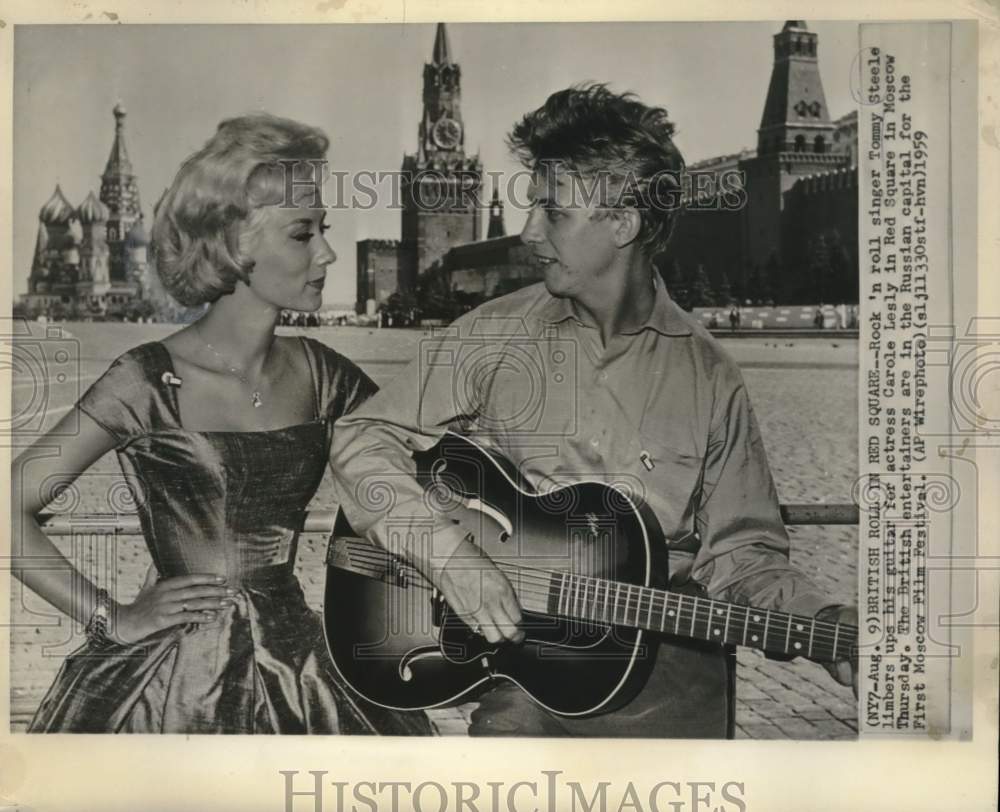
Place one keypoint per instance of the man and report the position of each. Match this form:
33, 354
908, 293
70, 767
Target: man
652, 401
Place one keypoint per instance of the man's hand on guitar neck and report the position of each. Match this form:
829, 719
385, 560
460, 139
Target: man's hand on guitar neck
844, 671
477, 592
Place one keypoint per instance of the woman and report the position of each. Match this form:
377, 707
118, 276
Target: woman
223, 431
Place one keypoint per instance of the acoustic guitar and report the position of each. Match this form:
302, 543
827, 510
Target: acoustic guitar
588, 565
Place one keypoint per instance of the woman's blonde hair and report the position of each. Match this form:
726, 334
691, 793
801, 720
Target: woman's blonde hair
216, 197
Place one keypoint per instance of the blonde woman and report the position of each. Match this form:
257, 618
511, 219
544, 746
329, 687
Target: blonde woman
223, 430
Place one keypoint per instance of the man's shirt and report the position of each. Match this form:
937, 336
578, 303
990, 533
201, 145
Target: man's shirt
660, 411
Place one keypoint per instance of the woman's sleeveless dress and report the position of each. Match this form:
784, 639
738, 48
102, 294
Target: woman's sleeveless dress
228, 503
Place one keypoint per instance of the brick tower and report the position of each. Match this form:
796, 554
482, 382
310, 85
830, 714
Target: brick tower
441, 184
794, 139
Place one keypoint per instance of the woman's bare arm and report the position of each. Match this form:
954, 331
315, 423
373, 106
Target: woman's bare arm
56, 461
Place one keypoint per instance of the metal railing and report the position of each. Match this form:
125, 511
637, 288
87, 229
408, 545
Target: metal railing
322, 521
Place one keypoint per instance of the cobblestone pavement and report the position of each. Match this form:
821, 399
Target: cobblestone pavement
808, 417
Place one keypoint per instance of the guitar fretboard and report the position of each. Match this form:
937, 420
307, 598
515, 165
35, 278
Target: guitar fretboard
616, 603
623, 604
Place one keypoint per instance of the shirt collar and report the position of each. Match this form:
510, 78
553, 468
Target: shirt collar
666, 317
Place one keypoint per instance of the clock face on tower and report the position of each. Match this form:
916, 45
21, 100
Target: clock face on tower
447, 133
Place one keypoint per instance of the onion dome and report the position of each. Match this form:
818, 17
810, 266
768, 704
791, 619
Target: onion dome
57, 210
92, 210
41, 245
136, 237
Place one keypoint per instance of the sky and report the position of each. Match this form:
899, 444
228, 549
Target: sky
362, 85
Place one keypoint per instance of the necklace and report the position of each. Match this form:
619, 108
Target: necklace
255, 397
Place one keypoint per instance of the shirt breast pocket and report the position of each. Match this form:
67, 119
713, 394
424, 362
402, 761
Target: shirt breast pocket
671, 482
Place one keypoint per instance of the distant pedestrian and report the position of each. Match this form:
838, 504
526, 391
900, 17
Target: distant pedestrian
818, 318
713, 322
734, 318
841, 310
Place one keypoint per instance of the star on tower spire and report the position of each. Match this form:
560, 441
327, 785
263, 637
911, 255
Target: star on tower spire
442, 48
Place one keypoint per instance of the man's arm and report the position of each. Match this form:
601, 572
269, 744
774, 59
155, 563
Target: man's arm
744, 555
375, 476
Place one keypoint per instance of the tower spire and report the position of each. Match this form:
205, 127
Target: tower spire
496, 227
442, 48
118, 160
120, 194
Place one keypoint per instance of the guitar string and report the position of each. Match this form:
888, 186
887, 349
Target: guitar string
821, 649
823, 633
824, 646
778, 619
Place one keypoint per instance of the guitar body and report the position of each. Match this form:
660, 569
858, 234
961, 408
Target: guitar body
401, 646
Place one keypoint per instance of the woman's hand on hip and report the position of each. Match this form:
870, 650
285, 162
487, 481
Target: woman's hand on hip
161, 604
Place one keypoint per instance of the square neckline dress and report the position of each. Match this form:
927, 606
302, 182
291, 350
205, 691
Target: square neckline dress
223, 502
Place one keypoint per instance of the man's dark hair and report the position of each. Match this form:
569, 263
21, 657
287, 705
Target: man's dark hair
612, 138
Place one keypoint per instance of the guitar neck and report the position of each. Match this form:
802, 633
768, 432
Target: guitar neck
615, 603
697, 618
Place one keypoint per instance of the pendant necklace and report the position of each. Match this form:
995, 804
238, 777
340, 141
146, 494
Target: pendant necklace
255, 397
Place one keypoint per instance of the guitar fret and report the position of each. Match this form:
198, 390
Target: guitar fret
562, 592
628, 598
614, 612
812, 631
649, 613
663, 613
836, 633
607, 594
746, 623
788, 632
725, 632
708, 626
694, 613
767, 623
677, 620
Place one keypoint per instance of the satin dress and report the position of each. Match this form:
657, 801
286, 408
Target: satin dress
228, 503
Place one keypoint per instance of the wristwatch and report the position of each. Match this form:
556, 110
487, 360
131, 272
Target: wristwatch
97, 626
